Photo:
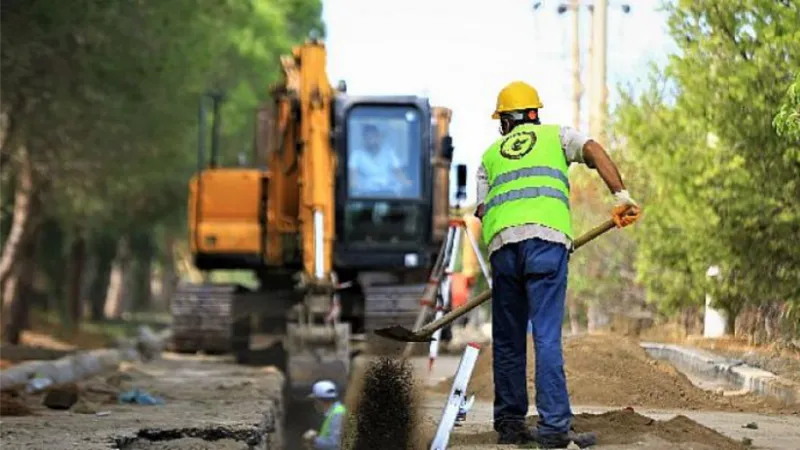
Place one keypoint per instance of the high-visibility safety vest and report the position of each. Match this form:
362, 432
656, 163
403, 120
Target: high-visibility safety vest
528, 181
335, 410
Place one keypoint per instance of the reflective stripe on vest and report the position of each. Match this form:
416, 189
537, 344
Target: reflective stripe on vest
336, 409
531, 192
528, 181
539, 171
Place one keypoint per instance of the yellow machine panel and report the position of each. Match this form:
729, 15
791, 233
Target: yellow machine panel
227, 217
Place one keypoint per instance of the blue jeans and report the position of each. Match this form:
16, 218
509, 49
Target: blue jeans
530, 283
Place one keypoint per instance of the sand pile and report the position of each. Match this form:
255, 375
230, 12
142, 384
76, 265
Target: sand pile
611, 370
628, 427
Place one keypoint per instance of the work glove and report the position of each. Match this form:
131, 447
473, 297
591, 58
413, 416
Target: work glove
625, 211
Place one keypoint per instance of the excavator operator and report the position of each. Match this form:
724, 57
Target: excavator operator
523, 203
374, 167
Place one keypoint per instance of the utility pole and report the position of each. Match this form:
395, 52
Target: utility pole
598, 57
598, 48
577, 86
598, 110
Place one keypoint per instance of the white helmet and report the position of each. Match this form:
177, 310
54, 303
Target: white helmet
324, 389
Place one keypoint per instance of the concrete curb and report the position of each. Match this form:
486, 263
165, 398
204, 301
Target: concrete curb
735, 372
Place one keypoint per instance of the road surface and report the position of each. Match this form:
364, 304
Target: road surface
211, 403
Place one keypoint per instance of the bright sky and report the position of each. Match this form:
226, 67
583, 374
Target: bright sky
460, 53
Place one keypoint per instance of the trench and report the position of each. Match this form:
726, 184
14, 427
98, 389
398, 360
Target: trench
220, 436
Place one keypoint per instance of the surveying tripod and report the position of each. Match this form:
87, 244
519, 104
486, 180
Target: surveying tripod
437, 294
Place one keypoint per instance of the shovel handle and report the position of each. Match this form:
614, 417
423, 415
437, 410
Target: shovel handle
454, 314
590, 235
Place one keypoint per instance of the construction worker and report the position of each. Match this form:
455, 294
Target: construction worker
326, 401
523, 203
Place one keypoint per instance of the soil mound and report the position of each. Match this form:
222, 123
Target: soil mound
612, 370
13, 404
628, 427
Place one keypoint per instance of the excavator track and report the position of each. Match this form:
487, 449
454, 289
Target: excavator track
386, 305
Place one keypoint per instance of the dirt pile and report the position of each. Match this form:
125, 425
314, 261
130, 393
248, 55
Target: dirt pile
625, 426
382, 405
611, 370
12, 403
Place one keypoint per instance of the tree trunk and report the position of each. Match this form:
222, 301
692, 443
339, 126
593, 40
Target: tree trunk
731, 322
595, 317
76, 264
573, 305
21, 217
141, 271
5, 131
104, 249
17, 293
116, 296
169, 276
51, 262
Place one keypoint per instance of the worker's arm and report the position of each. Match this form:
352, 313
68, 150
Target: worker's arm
481, 190
579, 148
626, 211
334, 439
596, 156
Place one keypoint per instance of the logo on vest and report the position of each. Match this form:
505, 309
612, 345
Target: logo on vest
518, 145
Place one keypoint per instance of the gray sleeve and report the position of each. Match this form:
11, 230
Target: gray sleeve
572, 141
481, 184
333, 440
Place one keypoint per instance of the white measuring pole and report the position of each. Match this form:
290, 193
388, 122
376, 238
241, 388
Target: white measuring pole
457, 397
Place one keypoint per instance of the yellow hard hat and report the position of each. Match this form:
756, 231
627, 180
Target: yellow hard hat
516, 96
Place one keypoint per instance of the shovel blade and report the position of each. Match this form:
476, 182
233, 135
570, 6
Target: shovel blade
402, 334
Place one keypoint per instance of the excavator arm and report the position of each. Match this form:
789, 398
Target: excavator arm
303, 203
303, 131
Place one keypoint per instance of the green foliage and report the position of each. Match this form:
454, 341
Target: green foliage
601, 272
787, 121
104, 95
103, 99
719, 185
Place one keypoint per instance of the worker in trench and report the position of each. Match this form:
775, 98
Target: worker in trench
326, 401
523, 204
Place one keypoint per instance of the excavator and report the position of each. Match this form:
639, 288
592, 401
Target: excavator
339, 215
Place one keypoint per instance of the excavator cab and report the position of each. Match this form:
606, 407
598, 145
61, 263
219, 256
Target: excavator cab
383, 190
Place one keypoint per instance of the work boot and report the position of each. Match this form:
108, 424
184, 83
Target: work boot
513, 433
562, 440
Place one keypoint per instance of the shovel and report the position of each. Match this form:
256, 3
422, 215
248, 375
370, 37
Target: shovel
424, 334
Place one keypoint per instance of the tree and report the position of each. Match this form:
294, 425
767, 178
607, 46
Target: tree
722, 185
99, 110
